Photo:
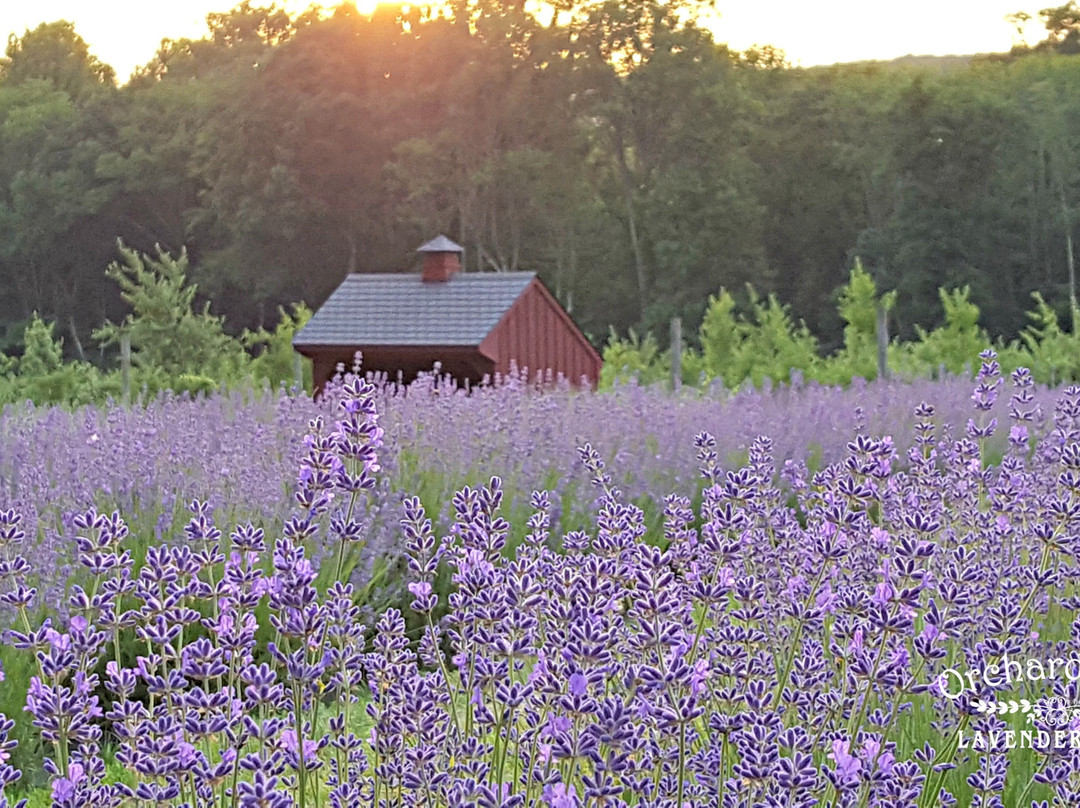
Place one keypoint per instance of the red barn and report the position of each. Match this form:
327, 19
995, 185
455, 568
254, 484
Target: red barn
474, 323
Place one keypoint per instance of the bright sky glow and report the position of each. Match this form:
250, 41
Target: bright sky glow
126, 33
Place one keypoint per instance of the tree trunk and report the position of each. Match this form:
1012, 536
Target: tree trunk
1044, 183
352, 253
75, 338
1067, 225
628, 194
1070, 260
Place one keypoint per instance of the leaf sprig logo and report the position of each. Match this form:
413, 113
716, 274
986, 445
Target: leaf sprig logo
1003, 707
1053, 711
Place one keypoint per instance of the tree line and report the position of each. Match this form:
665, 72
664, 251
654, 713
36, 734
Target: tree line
616, 148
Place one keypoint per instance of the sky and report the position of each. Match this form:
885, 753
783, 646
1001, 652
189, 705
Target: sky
126, 33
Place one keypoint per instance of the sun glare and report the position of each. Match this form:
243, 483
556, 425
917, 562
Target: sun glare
367, 6
818, 33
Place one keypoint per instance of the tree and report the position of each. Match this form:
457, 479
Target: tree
236, 40
53, 52
765, 344
858, 305
671, 135
951, 346
50, 196
1063, 27
953, 222
169, 338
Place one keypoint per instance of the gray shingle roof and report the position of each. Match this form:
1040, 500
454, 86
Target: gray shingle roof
401, 309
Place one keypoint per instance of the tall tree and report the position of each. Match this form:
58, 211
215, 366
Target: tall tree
56, 102
53, 52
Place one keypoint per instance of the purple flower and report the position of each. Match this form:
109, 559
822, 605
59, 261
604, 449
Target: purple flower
847, 765
873, 755
289, 744
63, 788
556, 795
421, 589
58, 641
856, 643
826, 600
699, 676
883, 594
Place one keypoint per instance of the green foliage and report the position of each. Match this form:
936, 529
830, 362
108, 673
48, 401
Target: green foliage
42, 376
858, 304
173, 345
1052, 355
53, 52
773, 344
954, 346
766, 343
633, 358
275, 358
720, 339
43, 353
170, 340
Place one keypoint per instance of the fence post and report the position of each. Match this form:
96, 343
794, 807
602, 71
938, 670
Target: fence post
676, 353
125, 369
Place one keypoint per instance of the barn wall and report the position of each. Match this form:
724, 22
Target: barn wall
537, 334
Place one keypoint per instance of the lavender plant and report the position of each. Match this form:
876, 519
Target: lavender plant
796, 637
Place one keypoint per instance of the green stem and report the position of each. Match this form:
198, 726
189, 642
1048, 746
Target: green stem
445, 673
301, 757
682, 761
781, 681
1031, 782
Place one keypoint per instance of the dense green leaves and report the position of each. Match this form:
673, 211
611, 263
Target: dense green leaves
167, 334
54, 53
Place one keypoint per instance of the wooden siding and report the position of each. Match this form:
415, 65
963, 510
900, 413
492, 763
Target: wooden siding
536, 333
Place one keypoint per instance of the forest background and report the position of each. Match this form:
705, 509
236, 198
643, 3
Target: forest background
644, 170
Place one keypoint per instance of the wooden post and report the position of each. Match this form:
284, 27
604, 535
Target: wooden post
125, 369
297, 372
676, 353
882, 342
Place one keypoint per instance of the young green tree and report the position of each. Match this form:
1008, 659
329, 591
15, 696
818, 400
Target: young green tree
858, 306
41, 375
1053, 355
43, 352
172, 343
765, 343
954, 346
274, 359
720, 339
633, 358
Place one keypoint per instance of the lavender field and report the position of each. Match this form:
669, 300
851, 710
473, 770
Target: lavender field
793, 597
240, 453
